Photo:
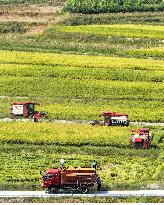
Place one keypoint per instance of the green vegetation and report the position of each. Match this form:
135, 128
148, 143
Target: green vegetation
110, 40
105, 6
84, 200
12, 27
155, 18
128, 30
70, 135
95, 200
79, 87
75, 68
27, 149
63, 134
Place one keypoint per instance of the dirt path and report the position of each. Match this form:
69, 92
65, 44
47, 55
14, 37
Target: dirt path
78, 121
71, 121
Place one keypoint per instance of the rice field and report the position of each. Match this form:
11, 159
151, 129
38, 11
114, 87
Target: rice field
62, 82
128, 30
75, 72
27, 149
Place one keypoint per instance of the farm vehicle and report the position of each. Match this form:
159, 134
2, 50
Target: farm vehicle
27, 110
141, 138
112, 119
71, 179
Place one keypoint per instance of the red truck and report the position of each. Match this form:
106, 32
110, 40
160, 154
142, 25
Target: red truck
77, 179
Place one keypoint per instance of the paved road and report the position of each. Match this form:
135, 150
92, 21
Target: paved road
79, 121
139, 193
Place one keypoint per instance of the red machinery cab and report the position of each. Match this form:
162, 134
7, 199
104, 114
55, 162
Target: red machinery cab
51, 178
77, 179
112, 119
141, 138
25, 109
143, 131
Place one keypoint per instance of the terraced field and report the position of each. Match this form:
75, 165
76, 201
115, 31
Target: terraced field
27, 149
17, 2
128, 30
79, 87
75, 72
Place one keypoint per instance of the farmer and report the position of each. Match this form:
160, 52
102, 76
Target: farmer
94, 164
98, 183
62, 164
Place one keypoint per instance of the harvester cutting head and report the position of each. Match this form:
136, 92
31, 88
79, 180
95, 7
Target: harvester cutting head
38, 115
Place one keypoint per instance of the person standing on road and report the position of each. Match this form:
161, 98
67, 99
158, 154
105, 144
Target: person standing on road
98, 183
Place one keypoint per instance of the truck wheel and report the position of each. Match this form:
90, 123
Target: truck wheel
84, 189
52, 190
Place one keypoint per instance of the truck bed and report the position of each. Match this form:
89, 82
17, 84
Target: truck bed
69, 177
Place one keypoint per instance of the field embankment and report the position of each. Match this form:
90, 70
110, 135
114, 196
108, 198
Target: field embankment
150, 18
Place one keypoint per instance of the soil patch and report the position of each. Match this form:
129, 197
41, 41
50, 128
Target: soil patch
31, 13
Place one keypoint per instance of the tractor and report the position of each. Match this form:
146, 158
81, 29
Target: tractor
141, 138
27, 110
112, 119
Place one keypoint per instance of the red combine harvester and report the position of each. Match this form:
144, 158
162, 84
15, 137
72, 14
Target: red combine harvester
112, 119
27, 110
141, 138
74, 179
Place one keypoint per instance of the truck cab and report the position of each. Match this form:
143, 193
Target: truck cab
51, 177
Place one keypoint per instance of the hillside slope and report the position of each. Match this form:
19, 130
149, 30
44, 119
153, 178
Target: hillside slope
75, 66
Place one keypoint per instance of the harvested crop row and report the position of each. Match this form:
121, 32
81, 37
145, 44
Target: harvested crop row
23, 165
154, 18
23, 169
55, 39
